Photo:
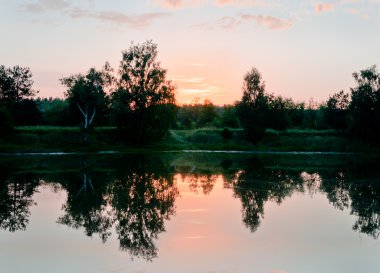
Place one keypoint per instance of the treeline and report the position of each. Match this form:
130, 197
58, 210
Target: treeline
140, 102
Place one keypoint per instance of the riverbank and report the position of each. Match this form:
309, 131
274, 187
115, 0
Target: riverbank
69, 139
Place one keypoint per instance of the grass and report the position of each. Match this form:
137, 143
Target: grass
69, 139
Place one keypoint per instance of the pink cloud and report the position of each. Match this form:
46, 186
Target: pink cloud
324, 7
177, 4
224, 2
271, 22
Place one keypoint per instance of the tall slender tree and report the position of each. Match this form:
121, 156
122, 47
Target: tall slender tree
253, 108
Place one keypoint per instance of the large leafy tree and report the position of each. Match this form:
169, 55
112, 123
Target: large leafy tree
144, 99
15, 84
87, 96
365, 104
252, 110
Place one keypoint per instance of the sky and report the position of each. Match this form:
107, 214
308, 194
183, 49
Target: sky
303, 49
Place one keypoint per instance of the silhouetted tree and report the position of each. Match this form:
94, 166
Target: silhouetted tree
336, 112
144, 100
87, 95
252, 110
365, 104
15, 84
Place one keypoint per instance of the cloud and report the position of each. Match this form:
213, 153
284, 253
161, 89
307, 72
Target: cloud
196, 86
270, 22
177, 4
222, 3
141, 20
45, 5
324, 7
267, 21
228, 22
136, 21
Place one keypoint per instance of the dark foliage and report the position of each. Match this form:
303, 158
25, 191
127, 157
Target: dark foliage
144, 101
253, 109
15, 84
6, 123
227, 133
26, 112
365, 104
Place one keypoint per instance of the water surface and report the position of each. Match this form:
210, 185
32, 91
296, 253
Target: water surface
190, 212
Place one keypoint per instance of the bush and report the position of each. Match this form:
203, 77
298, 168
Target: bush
227, 134
6, 122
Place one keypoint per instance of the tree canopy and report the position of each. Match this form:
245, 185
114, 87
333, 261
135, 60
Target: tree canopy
365, 103
87, 95
15, 84
144, 100
254, 105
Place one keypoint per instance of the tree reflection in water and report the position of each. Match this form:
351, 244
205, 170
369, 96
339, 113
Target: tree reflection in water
136, 199
86, 206
142, 197
16, 193
254, 185
134, 195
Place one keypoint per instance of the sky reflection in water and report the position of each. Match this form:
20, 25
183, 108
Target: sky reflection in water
190, 213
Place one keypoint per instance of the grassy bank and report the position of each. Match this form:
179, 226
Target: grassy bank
68, 139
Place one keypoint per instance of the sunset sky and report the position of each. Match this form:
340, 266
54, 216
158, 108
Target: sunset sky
304, 49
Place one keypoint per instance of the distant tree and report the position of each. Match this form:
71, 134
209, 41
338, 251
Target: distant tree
87, 96
6, 123
207, 113
296, 114
55, 112
26, 112
229, 118
144, 101
15, 84
336, 112
279, 109
252, 110
365, 104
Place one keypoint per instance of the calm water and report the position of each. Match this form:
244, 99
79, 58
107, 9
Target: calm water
189, 212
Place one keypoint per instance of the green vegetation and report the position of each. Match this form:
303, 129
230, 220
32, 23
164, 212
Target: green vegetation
69, 139
138, 110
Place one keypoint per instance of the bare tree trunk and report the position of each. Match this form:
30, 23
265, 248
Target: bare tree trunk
87, 122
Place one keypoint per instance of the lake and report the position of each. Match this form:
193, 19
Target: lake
190, 213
